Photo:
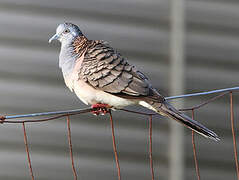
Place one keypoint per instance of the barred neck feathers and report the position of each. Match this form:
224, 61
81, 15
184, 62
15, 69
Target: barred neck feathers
80, 45
70, 52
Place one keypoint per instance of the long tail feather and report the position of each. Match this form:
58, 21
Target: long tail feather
168, 110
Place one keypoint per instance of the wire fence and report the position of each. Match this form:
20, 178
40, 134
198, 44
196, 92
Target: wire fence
60, 114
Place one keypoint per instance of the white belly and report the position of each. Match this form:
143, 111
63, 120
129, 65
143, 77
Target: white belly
89, 95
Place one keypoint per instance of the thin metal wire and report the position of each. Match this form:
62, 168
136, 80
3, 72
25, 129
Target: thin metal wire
114, 145
203, 93
233, 135
70, 147
34, 120
27, 151
194, 152
150, 137
204, 103
137, 112
3, 119
75, 111
151, 146
45, 119
79, 111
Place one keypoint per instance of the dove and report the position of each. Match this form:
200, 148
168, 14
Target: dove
101, 77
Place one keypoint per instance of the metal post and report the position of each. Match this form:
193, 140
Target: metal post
176, 147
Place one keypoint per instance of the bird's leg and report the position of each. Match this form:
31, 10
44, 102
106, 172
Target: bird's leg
100, 109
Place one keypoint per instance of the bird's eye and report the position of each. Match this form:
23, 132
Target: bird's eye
66, 31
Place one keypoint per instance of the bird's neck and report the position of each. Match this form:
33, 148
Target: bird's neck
70, 52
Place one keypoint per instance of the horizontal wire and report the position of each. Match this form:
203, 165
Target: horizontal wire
75, 111
203, 93
80, 111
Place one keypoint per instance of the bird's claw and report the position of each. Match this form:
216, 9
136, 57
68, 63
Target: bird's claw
2, 119
100, 109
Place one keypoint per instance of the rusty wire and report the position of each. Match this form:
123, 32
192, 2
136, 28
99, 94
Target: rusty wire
151, 146
233, 135
204, 103
194, 151
114, 145
70, 147
232, 127
80, 111
67, 114
150, 136
27, 151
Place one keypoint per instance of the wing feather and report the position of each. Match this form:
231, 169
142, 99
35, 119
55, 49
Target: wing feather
105, 69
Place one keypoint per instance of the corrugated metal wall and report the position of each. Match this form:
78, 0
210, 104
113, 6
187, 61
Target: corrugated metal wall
31, 82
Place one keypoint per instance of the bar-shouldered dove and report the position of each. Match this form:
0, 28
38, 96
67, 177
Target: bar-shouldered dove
99, 75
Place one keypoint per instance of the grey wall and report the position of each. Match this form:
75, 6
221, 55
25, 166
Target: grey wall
30, 81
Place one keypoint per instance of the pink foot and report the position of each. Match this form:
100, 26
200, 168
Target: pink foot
100, 109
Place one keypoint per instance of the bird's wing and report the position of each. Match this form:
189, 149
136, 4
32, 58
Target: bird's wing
105, 69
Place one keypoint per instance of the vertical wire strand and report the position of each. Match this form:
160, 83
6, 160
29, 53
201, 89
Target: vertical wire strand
194, 151
70, 147
151, 147
233, 134
27, 151
114, 146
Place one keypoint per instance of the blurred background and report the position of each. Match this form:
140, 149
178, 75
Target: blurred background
182, 48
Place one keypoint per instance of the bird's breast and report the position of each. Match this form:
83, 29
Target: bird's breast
90, 95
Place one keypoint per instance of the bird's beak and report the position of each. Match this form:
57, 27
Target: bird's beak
55, 37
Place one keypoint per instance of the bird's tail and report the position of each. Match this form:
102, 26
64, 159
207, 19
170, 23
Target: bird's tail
168, 110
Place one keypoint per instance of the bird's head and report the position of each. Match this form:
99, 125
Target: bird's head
66, 33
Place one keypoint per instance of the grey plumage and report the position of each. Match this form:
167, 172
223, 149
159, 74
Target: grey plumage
105, 69
102, 75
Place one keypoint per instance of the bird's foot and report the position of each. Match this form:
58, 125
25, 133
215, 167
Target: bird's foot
2, 119
101, 109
